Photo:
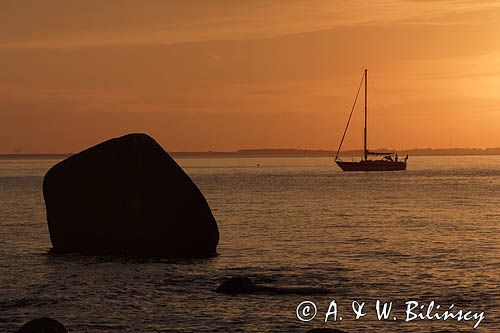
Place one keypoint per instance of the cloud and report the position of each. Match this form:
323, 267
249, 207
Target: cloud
91, 23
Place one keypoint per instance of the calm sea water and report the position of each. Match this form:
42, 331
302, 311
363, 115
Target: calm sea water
430, 233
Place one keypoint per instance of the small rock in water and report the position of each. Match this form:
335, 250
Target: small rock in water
43, 325
324, 330
245, 285
236, 285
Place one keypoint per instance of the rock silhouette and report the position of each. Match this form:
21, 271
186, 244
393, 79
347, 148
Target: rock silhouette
236, 285
325, 330
43, 325
127, 196
245, 285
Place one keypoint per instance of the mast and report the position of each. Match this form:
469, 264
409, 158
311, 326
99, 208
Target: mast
365, 151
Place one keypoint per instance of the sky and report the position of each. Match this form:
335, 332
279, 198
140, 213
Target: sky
224, 75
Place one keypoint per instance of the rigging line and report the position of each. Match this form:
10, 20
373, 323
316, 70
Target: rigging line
350, 115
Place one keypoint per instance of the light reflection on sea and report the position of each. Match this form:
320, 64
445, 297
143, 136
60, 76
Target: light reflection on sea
430, 233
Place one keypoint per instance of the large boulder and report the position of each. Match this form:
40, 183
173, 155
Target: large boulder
127, 196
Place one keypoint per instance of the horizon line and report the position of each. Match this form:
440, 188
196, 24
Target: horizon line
269, 151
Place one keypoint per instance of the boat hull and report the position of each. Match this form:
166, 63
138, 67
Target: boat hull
377, 165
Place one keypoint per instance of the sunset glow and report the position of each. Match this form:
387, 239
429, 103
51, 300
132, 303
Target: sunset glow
234, 75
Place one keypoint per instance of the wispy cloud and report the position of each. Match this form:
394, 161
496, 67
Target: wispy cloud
70, 24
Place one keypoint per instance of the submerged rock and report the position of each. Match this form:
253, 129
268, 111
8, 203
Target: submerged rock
245, 285
127, 196
325, 330
43, 325
236, 285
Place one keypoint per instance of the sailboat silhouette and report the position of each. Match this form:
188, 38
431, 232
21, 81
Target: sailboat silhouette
389, 161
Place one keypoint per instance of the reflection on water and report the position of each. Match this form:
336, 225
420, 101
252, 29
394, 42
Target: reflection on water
430, 233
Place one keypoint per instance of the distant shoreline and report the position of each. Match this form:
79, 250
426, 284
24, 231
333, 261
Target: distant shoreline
292, 153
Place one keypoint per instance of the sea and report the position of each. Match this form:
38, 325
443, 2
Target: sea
408, 239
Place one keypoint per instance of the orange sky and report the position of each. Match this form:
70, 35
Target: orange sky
227, 75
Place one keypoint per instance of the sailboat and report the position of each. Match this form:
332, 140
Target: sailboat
389, 160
